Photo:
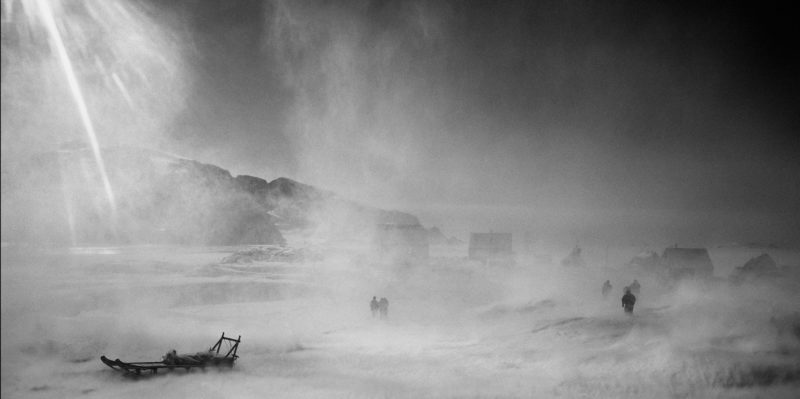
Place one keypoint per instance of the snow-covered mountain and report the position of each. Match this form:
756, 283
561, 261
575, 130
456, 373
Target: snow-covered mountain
155, 197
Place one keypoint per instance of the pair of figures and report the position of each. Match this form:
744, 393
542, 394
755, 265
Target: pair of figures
379, 307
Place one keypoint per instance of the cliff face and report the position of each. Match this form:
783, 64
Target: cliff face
298, 205
59, 197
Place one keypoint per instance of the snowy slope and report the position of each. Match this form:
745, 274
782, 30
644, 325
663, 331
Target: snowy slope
454, 330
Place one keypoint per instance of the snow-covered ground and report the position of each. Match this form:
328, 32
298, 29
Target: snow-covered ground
455, 328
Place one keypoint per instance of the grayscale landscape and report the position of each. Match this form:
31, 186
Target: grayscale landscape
173, 171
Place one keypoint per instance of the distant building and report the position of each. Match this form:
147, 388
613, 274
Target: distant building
402, 243
574, 258
646, 260
758, 267
491, 247
687, 262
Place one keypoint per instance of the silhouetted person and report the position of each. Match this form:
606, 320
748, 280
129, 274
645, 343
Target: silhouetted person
373, 306
607, 288
635, 287
628, 300
383, 306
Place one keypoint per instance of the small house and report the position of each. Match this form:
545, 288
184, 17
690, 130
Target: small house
646, 260
757, 267
491, 247
687, 262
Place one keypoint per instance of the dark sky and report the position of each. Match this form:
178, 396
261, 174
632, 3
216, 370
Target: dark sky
585, 105
637, 103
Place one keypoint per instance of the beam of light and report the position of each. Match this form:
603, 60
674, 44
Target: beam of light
8, 9
50, 23
122, 89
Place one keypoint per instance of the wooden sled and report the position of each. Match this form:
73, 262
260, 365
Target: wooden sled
201, 360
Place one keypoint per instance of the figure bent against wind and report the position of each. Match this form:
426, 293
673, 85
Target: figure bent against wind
628, 300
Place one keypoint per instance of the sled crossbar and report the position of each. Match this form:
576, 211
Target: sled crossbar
233, 346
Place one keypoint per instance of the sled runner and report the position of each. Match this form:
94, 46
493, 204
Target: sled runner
171, 361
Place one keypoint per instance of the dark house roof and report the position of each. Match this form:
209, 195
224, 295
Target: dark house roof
688, 261
760, 264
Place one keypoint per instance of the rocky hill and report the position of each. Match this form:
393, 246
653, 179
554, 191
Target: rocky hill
298, 205
60, 197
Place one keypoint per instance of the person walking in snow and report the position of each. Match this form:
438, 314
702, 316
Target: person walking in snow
635, 287
383, 306
606, 288
628, 300
373, 306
